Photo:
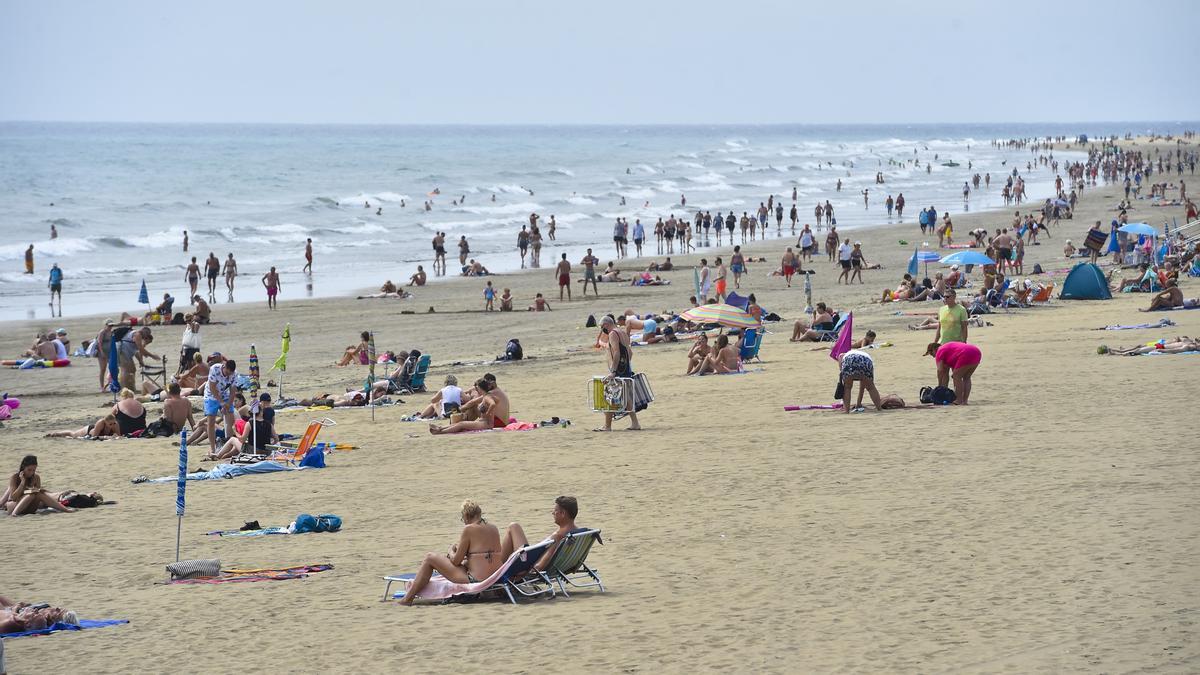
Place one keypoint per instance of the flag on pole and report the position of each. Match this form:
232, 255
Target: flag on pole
281, 362
845, 338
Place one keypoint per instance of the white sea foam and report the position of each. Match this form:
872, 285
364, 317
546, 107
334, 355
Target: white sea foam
580, 201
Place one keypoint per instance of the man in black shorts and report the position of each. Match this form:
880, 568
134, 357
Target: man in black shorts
212, 268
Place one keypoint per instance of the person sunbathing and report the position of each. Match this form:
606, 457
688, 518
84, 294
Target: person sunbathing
697, 354
388, 290
417, 279
1176, 346
475, 557
351, 399
25, 493
130, 413
105, 427
863, 342
611, 273
936, 292
43, 348
493, 411
18, 617
822, 322
356, 353
448, 400
1170, 297
723, 359
176, 411
665, 335
665, 266
566, 509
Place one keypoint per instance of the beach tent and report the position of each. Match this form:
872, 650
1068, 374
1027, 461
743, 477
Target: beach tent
1085, 282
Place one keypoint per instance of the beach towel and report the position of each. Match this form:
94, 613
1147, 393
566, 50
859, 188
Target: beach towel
83, 624
832, 406
1167, 353
265, 574
226, 471
513, 425
1162, 323
440, 588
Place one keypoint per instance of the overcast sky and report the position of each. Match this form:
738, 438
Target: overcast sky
589, 61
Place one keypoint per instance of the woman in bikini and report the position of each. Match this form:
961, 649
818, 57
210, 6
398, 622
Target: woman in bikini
25, 493
104, 427
475, 557
356, 353
130, 413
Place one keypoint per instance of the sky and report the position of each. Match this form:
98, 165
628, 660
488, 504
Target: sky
589, 62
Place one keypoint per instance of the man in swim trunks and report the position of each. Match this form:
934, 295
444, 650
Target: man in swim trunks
307, 257
218, 400
788, 265
563, 270
721, 274
192, 275
493, 411
212, 268
270, 280
564, 513
589, 263
523, 241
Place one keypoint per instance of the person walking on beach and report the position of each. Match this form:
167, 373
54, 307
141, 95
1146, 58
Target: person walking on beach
831, 243
794, 216
620, 356
562, 271
844, 252
212, 269
589, 263
230, 271
721, 283
857, 263
192, 276
307, 257
270, 281
828, 213
551, 228
439, 254
705, 281
737, 264
639, 235
55, 283
185, 241
788, 266
523, 242
464, 249
29, 260
900, 205
535, 246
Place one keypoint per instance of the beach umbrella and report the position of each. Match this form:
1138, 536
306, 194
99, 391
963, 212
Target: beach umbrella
144, 295
845, 339
281, 362
1138, 229
967, 258
735, 300
720, 313
1061, 203
254, 393
371, 371
696, 281
926, 257
180, 488
114, 371
912, 263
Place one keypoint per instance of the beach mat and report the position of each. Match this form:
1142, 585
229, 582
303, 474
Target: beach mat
60, 627
263, 574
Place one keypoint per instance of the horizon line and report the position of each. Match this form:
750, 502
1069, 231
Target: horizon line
591, 124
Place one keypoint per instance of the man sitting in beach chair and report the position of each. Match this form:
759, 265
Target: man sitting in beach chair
565, 510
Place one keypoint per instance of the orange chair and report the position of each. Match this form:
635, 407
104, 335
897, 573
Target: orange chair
291, 455
1043, 296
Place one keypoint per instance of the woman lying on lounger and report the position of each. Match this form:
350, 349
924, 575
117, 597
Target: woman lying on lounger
105, 427
25, 493
475, 557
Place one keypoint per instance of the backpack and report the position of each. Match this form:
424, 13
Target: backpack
159, 427
591, 321
942, 396
926, 395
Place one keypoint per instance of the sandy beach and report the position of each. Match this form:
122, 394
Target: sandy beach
1049, 526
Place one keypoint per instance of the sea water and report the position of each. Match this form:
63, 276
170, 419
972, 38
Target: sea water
122, 195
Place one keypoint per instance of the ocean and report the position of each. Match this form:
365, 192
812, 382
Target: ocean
121, 195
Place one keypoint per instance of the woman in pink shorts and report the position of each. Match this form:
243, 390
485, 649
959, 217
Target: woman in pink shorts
957, 360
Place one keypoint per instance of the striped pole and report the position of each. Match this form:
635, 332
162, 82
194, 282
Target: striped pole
180, 488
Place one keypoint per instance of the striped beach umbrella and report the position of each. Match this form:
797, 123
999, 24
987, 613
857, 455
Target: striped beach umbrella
144, 295
720, 313
180, 488
370, 371
253, 373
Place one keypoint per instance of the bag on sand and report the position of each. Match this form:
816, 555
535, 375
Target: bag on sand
938, 395
194, 569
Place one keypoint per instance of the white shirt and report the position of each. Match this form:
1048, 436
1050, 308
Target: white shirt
223, 382
451, 394
60, 350
844, 251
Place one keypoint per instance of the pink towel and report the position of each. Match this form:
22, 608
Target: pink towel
440, 588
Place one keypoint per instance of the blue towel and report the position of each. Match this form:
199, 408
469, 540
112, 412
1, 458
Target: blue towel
83, 623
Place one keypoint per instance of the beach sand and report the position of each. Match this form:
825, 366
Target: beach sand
1049, 526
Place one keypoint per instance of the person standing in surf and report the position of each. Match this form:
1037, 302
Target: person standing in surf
192, 276
271, 282
212, 267
230, 271
307, 257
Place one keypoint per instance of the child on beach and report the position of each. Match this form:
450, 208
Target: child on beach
489, 298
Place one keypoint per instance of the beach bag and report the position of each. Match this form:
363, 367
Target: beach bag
159, 427
80, 501
314, 458
177, 320
591, 321
194, 569
926, 394
327, 522
942, 396
5, 412
304, 523
1037, 268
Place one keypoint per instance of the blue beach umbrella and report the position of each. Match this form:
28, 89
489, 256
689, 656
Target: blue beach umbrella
114, 385
967, 258
180, 488
912, 263
1141, 229
926, 257
143, 295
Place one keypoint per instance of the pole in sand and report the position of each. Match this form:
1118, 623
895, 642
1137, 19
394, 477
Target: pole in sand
180, 488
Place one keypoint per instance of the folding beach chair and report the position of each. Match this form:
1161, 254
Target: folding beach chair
156, 373
520, 575
286, 452
416, 381
569, 564
831, 335
1043, 296
750, 343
